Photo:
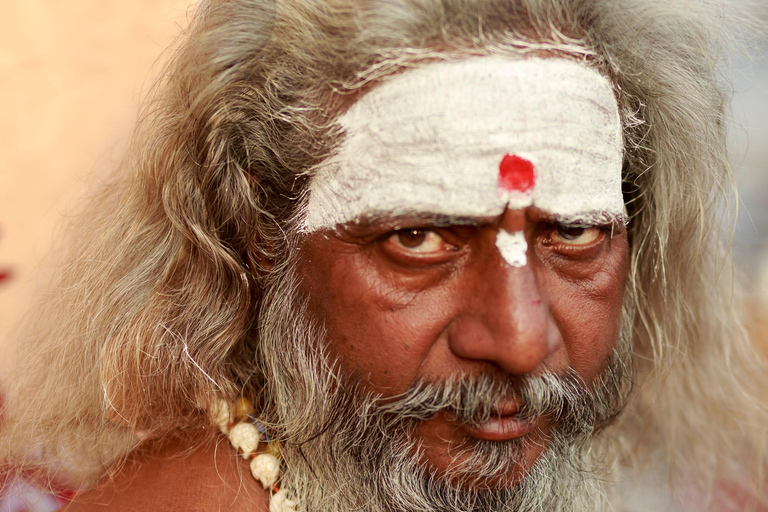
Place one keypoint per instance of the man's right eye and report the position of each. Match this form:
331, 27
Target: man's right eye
418, 246
421, 241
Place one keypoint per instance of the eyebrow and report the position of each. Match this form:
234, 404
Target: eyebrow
389, 221
594, 218
395, 221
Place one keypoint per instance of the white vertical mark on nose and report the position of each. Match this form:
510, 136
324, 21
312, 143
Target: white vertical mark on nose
513, 247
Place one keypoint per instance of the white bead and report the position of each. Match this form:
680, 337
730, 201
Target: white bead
265, 468
221, 415
245, 437
280, 503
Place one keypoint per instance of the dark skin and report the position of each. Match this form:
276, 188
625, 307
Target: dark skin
429, 298
422, 298
209, 479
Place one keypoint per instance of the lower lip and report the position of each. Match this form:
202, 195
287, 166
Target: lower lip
501, 428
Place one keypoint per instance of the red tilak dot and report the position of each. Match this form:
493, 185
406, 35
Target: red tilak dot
4, 276
516, 173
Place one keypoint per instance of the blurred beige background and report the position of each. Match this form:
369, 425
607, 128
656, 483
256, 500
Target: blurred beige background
71, 76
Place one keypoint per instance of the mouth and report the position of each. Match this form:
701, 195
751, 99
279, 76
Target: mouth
504, 425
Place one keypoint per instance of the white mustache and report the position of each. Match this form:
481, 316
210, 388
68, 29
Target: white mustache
472, 400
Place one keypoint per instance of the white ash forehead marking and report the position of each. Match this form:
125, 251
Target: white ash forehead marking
513, 247
431, 140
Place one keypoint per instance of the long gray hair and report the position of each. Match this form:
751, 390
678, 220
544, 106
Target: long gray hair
157, 311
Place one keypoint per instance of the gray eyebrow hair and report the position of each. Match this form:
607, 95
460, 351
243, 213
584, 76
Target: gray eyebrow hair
434, 219
595, 218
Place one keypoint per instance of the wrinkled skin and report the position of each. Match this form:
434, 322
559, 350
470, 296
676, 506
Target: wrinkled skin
409, 299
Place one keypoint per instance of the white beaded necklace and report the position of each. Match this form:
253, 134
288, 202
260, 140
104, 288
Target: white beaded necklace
245, 437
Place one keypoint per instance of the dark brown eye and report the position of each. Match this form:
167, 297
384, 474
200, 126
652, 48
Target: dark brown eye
411, 238
418, 241
575, 235
570, 232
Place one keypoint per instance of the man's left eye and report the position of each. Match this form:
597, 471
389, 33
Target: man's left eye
422, 241
576, 235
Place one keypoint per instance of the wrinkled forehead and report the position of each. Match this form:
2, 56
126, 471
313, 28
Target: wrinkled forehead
434, 140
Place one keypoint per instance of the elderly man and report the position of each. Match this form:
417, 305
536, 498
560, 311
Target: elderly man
407, 255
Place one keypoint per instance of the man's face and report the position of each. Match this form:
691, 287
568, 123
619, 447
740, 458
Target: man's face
431, 275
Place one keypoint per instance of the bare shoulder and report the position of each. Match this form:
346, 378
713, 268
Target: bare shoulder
212, 478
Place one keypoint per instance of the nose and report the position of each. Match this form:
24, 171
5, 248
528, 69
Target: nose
505, 318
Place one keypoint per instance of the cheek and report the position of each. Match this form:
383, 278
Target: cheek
378, 330
588, 314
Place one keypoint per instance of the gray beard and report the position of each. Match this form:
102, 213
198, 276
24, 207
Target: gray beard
345, 449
